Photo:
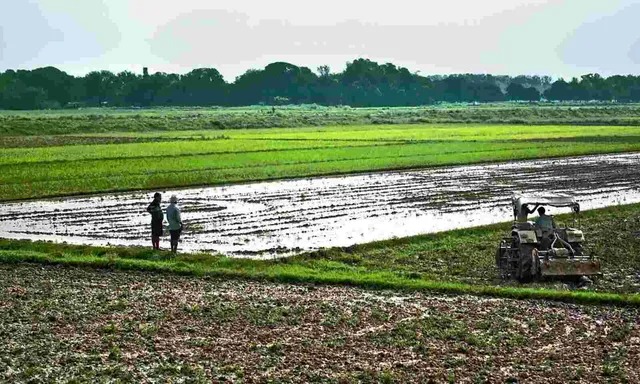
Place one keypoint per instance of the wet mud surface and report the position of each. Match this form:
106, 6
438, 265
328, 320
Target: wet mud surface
285, 217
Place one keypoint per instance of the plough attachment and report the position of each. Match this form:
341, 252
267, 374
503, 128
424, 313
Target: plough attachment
579, 266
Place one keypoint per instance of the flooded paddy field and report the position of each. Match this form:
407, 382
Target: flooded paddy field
267, 219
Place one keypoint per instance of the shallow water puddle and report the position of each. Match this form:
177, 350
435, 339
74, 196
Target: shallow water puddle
285, 217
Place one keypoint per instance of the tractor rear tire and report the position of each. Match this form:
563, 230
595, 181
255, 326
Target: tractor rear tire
527, 263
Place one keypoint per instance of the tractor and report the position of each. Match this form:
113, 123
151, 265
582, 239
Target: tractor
539, 250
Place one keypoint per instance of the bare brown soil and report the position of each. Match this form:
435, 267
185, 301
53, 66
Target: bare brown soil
60, 324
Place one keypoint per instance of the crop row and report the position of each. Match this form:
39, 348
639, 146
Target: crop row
430, 152
212, 142
32, 180
439, 132
399, 132
165, 150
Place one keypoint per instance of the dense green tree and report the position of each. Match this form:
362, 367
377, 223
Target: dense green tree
362, 83
17, 95
595, 87
541, 83
624, 88
559, 91
55, 83
275, 80
515, 91
203, 86
126, 88
101, 87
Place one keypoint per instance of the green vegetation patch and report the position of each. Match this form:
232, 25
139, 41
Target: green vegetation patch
172, 159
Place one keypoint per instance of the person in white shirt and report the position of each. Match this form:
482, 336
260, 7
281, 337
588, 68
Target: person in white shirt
175, 222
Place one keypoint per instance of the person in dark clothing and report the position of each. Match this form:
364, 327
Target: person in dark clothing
525, 211
156, 220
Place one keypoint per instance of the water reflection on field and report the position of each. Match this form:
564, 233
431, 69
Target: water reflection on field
285, 217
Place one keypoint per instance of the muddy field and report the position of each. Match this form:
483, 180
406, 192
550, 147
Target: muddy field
65, 324
285, 217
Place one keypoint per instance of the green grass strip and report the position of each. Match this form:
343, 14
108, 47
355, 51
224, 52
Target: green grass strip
321, 272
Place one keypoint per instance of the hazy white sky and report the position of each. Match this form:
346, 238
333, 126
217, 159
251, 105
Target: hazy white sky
554, 37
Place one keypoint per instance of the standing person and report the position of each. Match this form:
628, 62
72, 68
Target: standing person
525, 211
156, 220
175, 222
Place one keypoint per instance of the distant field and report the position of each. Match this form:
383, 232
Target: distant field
38, 166
180, 119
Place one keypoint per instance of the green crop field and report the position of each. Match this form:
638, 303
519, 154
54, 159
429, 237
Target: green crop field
39, 166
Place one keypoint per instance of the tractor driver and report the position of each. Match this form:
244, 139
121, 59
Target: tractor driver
544, 221
524, 212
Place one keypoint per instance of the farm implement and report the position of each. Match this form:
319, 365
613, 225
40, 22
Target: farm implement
539, 250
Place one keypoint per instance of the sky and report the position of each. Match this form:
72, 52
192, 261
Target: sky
560, 38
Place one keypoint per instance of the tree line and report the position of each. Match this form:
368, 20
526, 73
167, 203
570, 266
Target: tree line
363, 83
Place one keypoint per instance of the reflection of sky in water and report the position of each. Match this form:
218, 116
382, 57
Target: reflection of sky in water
335, 211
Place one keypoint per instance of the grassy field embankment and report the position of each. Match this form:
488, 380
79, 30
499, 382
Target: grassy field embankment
40, 166
458, 262
57, 122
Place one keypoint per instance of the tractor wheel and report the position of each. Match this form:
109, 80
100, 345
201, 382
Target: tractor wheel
527, 263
